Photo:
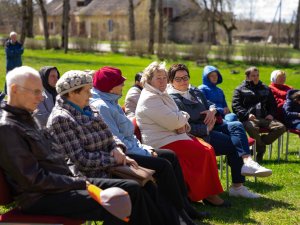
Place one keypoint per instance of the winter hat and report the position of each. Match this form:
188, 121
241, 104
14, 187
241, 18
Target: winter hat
275, 74
115, 200
107, 78
72, 80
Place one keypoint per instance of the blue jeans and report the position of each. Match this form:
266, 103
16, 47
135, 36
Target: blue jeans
230, 139
230, 117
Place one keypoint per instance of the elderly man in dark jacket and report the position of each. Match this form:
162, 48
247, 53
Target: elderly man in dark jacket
255, 106
13, 51
40, 180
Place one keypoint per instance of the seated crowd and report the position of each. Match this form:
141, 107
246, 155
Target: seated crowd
68, 130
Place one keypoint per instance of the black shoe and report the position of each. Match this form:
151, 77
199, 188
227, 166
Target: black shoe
185, 217
193, 213
225, 204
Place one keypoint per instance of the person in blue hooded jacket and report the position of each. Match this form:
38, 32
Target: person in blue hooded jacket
211, 77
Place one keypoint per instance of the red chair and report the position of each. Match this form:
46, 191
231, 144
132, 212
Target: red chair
137, 131
16, 216
293, 131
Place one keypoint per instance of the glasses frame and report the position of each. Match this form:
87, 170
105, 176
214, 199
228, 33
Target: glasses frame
35, 92
179, 79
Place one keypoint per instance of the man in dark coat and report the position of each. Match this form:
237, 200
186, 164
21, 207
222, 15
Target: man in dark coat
13, 51
255, 106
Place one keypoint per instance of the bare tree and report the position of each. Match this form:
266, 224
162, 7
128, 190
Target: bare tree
160, 21
29, 21
131, 21
7, 9
65, 25
211, 22
225, 19
24, 21
45, 23
151, 26
297, 29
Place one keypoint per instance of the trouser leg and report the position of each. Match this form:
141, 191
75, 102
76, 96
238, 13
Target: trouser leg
78, 204
252, 129
165, 178
276, 129
223, 145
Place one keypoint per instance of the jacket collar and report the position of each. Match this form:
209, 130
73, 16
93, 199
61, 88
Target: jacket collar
154, 90
96, 94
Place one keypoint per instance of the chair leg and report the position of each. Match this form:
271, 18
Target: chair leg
221, 166
287, 145
270, 151
227, 177
278, 148
254, 153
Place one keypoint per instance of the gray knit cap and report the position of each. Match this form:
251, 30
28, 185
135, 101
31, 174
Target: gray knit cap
72, 80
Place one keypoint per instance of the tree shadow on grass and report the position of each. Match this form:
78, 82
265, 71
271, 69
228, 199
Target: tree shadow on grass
82, 61
240, 211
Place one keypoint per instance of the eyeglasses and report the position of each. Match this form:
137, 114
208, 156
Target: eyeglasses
35, 92
184, 78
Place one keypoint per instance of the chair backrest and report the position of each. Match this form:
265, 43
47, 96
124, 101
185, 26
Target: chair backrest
5, 194
137, 131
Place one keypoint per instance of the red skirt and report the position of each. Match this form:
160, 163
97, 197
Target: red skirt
199, 166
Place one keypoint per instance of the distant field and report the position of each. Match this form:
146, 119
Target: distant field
281, 192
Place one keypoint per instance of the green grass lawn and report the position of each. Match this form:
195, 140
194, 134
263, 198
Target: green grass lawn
281, 192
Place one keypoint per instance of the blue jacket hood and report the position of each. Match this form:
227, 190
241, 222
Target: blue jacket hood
207, 70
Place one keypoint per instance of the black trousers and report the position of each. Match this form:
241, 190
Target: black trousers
169, 200
78, 204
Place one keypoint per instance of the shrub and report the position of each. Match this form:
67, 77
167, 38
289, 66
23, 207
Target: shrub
167, 51
137, 47
85, 44
197, 51
277, 56
31, 43
253, 53
225, 52
54, 42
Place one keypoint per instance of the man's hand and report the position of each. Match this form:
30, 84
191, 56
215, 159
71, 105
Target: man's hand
269, 117
211, 125
251, 117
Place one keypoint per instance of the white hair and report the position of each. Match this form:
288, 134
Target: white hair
19, 75
148, 72
12, 33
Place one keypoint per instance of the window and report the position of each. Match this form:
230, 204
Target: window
168, 12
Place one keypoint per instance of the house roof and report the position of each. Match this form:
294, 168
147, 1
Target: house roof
106, 7
95, 7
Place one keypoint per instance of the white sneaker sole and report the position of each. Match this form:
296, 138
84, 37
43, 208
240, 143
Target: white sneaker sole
258, 174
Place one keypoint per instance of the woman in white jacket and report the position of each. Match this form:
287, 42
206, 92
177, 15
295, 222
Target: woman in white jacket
164, 126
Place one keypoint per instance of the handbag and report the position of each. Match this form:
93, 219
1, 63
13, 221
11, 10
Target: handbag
141, 174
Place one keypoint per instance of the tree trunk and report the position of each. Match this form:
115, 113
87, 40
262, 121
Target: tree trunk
151, 27
29, 22
160, 22
24, 21
45, 23
131, 21
297, 29
65, 25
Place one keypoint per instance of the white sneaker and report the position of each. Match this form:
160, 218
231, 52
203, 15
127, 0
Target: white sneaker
252, 168
242, 191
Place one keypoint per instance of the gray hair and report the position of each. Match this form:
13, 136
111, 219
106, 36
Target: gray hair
12, 34
19, 75
148, 72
